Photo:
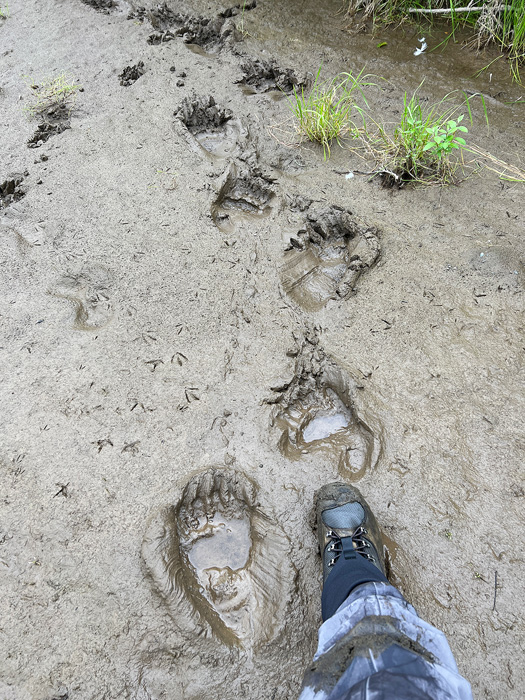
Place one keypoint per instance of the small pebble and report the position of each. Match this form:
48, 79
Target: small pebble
180, 83
182, 74
173, 69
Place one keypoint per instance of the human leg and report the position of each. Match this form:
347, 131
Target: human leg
372, 644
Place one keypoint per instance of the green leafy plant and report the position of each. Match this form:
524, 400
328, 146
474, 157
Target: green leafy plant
421, 147
4, 12
328, 111
53, 94
444, 138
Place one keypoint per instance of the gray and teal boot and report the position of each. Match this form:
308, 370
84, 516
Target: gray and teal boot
350, 543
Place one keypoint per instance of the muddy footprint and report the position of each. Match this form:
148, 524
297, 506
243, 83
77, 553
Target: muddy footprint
326, 258
243, 193
11, 190
213, 127
131, 74
264, 76
89, 292
219, 562
315, 412
208, 34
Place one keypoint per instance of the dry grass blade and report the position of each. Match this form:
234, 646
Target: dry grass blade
506, 171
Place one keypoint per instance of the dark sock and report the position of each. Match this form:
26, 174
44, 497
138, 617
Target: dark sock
350, 570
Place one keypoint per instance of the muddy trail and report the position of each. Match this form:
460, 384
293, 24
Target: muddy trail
203, 321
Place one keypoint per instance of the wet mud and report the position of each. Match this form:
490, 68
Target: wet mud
216, 556
243, 193
315, 412
100, 5
213, 127
89, 293
160, 282
327, 257
55, 121
210, 34
130, 74
11, 190
263, 76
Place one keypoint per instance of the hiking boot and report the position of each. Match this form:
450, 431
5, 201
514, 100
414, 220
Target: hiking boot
346, 526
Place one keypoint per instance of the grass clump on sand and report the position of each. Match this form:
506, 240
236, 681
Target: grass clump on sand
500, 22
53, 95
4, 12
425, 147
326, 113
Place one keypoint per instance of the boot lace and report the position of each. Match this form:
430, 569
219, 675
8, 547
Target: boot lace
358, 541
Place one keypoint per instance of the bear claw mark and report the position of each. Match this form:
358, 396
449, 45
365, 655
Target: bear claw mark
326, 258
315, 412
263, 76
218, 561
211, 125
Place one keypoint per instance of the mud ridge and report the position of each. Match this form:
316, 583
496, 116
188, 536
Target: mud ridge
244, 191
208, 33
11, 190
263, 76
315, 412
217, 559
326, 258
131, 73
212, 126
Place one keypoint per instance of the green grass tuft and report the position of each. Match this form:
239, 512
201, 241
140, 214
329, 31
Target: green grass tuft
425, 147
52, 94
328, 111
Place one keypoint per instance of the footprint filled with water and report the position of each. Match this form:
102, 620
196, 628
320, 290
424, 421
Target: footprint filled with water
315, 412
326, 258
219, 562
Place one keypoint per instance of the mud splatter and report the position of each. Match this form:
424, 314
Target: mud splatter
327, 257
263, 76
11, 190
89, 292
217, 559
212, 126
131, 73
315, 412
243, 192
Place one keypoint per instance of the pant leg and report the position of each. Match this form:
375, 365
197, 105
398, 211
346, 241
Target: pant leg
375, 647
